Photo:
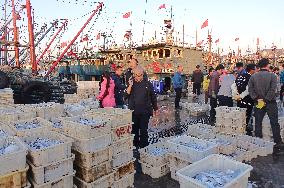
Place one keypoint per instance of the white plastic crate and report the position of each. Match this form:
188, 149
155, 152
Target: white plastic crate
155, 154
264, 147
41, 125
174, 175
121, 132
93, 144
61, 182
16, 179
15, 160
124, 169
103, 182
121, 116
122, 158
73, 128
125, 182
51, 172
177, 146
122, 145
214, 162
89, 160
6, 131
176, 162
51, 154
226, 144
155, 172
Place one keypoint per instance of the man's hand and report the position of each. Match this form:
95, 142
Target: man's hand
214, 95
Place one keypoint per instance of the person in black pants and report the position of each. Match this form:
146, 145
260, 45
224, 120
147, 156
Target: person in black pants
143, 101
178, 85
262, 89
197, 79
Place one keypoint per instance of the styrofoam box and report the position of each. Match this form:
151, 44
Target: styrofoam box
125, 182
44, 174
89, 160
103, 182
190, 154
61, 182
13, 161
74, 129
121, 132
43, 125
122, 145
92, 144
155, 172
122, 158
48, 155
185, 175
154, 161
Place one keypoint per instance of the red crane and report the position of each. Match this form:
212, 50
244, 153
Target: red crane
53, 38
99, 8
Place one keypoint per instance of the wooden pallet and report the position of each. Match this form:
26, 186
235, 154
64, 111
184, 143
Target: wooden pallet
16, 179
92, 174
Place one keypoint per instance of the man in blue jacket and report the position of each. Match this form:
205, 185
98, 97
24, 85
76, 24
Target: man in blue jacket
119, 87
178, 85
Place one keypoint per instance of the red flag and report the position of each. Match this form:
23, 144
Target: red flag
236, 39
205, 24
218, 40
200, 43
126, 15
98, 36
162, 6
257, 41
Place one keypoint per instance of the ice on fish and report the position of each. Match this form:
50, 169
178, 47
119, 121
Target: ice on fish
194, 145
90, 122
216, 178
41, 143
27, 125
8, 148
3, 133
157, 152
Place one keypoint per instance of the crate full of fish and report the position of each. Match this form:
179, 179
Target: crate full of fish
61, 182
155, 154
215, 171
91, 145
47, 147
10, 114
202, 131
192, 149
15, 179
226, 144
122, 116
263, 147
122, 158
85, 127
176, 162
21, 128
12, 155
155, 172
52, 171
89, 160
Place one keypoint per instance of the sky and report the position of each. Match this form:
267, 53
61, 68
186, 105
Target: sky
228, 19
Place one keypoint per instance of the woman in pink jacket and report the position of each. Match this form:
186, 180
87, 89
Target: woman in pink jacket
106, 95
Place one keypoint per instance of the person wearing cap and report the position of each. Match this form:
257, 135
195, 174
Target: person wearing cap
262, 89
240, 68
213, 91
197, 79
241, 94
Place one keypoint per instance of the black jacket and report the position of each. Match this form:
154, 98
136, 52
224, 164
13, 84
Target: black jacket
142, 99
197, 76
118, 90
242, 81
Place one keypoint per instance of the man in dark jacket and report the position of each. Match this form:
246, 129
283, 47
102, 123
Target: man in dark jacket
197, 79
243, 98
262, 89
213, 91
119, 87
142, 100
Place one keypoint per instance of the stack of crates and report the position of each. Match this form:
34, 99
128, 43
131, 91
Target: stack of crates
231, 120
13, 170
154, 159
6, 96
50, 159
91, 146
122, 147
176, 163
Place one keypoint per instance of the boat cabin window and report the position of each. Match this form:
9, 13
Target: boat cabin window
154, 53
167, 53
